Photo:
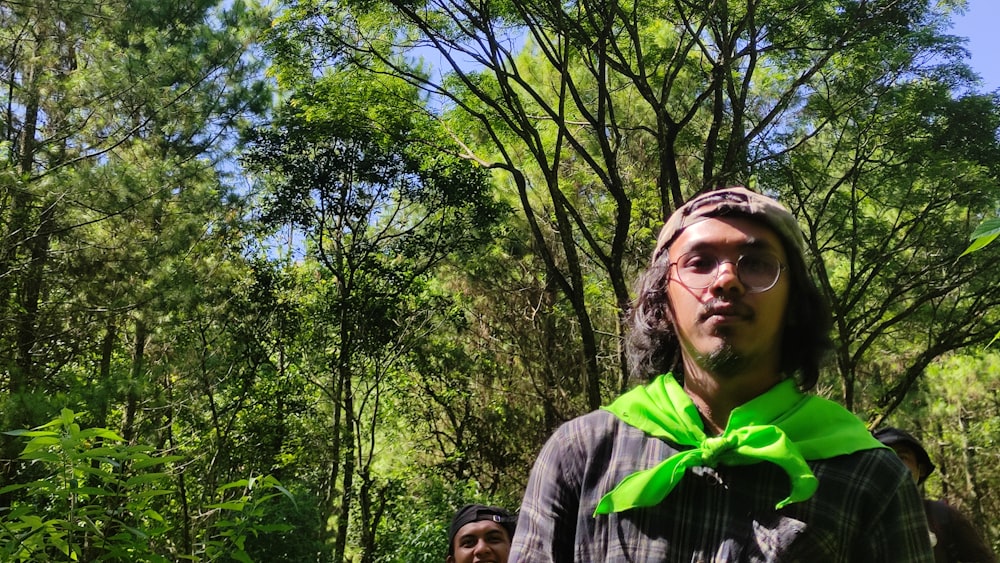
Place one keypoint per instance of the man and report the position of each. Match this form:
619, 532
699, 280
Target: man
953, 536
480, 534
721, 457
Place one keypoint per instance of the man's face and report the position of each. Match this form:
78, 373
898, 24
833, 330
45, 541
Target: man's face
481, 542
909, 459
722, 328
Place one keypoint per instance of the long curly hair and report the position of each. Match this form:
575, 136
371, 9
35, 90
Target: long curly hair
652, 346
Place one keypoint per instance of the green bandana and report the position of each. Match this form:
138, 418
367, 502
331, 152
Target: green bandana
782, 426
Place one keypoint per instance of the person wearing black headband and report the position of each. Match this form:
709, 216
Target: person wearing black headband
480, 534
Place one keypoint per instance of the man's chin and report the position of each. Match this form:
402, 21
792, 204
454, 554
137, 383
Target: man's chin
724, 361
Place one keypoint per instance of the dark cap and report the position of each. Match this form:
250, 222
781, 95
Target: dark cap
739, 202
478, 512
895, 437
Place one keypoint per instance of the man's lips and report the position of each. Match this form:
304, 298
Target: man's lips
726, 311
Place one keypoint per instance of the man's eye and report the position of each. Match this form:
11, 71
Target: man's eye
758, 264
753, 264
698, 263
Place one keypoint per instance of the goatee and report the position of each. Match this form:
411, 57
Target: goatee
724, 361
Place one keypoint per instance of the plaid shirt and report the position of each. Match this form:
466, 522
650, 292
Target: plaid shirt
866, 508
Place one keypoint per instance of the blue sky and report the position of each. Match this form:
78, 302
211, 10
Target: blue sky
979, 24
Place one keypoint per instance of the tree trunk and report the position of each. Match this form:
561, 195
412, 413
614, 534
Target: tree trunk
187, 546
19, 374
969, 461
129, 431
347, 436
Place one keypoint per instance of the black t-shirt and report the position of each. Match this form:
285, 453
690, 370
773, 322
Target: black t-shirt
957, 539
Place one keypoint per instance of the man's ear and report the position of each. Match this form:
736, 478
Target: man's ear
449, 559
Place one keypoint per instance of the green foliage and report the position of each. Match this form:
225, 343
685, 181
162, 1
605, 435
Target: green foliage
409, 344
243, 516
376, 192
293, 526
100, 499
957, 416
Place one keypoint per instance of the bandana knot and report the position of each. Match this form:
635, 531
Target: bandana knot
713, 448
782, 426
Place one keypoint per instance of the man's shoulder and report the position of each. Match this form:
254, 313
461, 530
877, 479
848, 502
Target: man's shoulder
598, 429
876, 474
595, 423
872, 460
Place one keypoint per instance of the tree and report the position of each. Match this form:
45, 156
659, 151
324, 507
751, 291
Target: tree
607, 104
114, 208
599, 118
888, 200
380, 206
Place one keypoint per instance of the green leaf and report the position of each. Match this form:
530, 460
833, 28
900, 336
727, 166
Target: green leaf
984, 234
41, 442
95, 491
143, 495
42, 485
66, 417
287, 493
103, 475
153, 515
979, 243
41, 456
147, 478
234, 484
236, 505
101, 433
30, 433
149, 462
104, 452
988, 227
9, 488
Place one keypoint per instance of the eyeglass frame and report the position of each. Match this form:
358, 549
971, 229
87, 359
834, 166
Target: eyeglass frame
736, 266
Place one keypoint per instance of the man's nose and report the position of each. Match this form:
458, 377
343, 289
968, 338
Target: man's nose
727, 279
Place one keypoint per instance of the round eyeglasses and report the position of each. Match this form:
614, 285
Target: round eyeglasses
757, 271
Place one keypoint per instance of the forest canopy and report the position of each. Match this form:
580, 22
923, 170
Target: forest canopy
294, 282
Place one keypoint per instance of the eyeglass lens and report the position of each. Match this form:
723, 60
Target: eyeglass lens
757, 271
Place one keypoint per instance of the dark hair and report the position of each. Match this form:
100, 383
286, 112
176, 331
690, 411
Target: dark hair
652, 347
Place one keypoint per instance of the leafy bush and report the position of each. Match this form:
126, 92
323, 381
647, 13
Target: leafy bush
99, 500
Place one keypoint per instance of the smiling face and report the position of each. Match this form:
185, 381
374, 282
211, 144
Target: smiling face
484, 541
723, 330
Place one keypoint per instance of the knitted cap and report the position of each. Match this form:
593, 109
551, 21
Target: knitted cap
735, 202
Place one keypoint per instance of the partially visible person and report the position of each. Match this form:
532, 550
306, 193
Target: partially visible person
953, 536
480, 534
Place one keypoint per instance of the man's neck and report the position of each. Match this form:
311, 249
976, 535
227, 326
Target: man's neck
717, 396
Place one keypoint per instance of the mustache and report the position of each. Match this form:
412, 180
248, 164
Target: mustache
726, 308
